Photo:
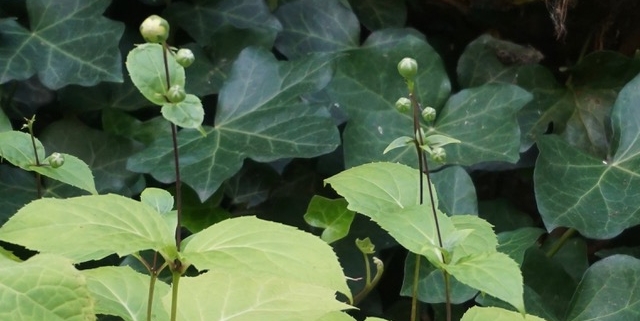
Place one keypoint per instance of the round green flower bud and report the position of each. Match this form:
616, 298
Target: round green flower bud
176, 94
429, 114
408, 68
403, 104
439, 155
56, 160
185, 57
155, 29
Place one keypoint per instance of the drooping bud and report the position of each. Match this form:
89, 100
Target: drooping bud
185, 57
403, 104
154, 29
408, 68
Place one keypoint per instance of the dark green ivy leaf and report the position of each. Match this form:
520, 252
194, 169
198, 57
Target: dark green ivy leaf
261, 114
51, 47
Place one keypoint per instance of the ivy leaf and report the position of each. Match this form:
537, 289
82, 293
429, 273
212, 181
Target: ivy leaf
515, 243
260, 115
310, 26
596, 298
379, 14
20, 185
456, 192
248, 246
121, 291
496, 314
107, 224
51, 51
494, 273
254, 297
594, 196
330, 215
46, 286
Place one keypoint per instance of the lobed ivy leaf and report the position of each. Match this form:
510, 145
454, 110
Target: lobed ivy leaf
456, 192
261, 114
515, 243
607, 291
247, 246
598, 197
51, 51
248, 297
20, 185
310, 26
121, 291
330, 215
45, 287
379, 14
107, 224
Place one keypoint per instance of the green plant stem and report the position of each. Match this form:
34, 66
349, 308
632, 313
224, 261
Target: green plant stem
176, 160
560, 242
370, 284
414, 290
35, 153
152, 285
447, 293
174, 294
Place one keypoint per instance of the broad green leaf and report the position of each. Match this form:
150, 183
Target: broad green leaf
366, 86
74, 172
187, 113
310, 26
146, 67
608, 291
379, 14
503, 215
259, 115
493, 273
252, 185
593, 195
122, 124
456, 192
515, 243
484, 120
198, 215
496, 314
7, 255
18, 183
45, 287
330, 215
206, 17
121, 291
51, 51
374, 319
388, 193
336, 316
573, 256
247, 245
104, 96
158, 199
106, 224
482, 238
104, 153
431, 287
249, 297
17, 148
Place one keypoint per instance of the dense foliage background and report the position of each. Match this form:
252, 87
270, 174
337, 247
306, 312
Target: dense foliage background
542, 94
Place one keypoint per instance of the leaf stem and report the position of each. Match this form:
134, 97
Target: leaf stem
560, 242
174, 293
414, 290
370, 284
176, 160
152, 285
29, 126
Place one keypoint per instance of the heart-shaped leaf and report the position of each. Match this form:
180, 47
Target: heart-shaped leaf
330, 215
51, 50
260, 114
379, 14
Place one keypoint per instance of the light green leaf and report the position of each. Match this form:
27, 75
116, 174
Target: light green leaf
260, 116
104, 153
365, 246
595, 196
608, 291
146, 67
247, 245
436, 140
374, 319
493, 273
330, 215
250, 297
496, 314
74, 172
481, 240
515, 243
157, 198
379, 14
388, 193
51, 51
106, 224
7, 255
121, 291
187, 113
45, 287
399, 142
336, 316
310, 26
16, 147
